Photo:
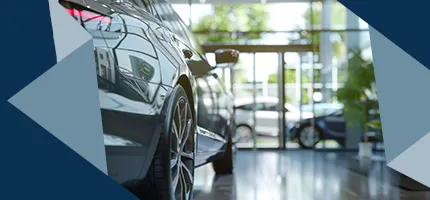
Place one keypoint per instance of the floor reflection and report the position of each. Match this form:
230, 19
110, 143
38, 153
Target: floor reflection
301, 175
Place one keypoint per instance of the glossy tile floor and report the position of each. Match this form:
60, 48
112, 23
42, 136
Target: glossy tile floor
301, 175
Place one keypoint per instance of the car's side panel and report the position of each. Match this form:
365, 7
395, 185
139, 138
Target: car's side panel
136, 72
215, 115
206, 113
140, 58
335, 125
225, 108
178, 35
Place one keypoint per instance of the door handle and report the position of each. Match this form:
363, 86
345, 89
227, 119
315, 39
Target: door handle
188, 54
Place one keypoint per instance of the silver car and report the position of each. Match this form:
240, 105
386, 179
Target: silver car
267, 117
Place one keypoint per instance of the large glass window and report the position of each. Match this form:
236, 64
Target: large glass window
312, 78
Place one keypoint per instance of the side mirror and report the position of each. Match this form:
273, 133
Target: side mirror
226, 58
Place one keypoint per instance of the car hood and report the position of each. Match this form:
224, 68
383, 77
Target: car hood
307, 120
307, 115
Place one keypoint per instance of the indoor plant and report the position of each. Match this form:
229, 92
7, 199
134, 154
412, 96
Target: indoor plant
359, 97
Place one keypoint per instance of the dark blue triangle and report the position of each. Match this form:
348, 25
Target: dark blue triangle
27, 44
403, 22
36, 165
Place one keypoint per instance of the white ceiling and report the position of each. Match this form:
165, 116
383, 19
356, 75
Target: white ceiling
233, 1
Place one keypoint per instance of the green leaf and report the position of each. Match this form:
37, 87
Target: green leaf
376, 124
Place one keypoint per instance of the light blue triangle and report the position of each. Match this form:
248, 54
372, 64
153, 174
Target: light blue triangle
64, 100
68, 33
403, 94
413, 162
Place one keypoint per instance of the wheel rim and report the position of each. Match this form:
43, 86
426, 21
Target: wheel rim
309, 136
182, 151
244, 133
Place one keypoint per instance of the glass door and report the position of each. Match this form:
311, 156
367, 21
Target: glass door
256, 100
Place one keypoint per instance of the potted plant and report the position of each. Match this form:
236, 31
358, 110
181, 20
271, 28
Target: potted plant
359, 97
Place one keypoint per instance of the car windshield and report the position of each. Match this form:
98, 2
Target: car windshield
291, 108
321, 109
338, 112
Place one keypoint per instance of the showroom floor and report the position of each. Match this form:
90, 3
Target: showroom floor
306, 175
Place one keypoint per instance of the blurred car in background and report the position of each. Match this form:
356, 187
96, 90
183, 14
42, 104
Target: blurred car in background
321, 109
332, 126
267, 117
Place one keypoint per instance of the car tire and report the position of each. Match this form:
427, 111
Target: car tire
173, 162
224, 165
243, 133
303, 130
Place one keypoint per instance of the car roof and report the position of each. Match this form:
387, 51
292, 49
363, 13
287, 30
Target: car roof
245, 101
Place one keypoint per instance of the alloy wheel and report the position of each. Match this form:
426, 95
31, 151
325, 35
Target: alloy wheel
309, 136
182, 151
244, 134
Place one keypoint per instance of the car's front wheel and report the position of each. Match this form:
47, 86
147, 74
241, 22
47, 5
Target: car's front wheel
244, 133
308, 136
171, 175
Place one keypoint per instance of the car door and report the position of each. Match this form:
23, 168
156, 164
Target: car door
267, 117
225, 105
207, 114
335, 124
223, 114
292, 115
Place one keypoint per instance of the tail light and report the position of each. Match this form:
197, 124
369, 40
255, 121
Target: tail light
85, 15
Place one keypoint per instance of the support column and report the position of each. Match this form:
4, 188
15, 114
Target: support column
299, 83
281, 87
352, 38
354, 133
254, 98
190, 21
326, 48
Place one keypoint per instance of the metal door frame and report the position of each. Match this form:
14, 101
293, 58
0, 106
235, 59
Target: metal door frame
280, 50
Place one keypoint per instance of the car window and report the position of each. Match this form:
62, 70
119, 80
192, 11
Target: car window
271, 107
171, 19
143, 4
137, 65
188, 35
194, 42
338, 113
176, 21
163, 13
274, 107
249, 107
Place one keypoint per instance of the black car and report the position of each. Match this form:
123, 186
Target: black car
157, 122
328, 127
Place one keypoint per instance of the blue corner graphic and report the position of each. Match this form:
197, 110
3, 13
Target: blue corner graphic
402, 22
